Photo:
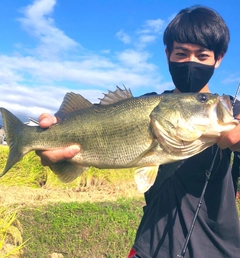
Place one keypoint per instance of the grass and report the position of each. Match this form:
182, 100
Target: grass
27, 172
30, 172
82, 229
77, 229
11, 242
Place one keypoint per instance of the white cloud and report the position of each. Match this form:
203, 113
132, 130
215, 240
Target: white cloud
20, 99
41, 84
145, 40
124, 37
38, 22
151, 27
136, 60
37, 83
149, 32
8, 76
231, 78
155, 26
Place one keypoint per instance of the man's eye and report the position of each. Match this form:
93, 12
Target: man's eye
180, 54
203, 56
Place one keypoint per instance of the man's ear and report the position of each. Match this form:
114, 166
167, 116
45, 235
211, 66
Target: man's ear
218, 61
167, 55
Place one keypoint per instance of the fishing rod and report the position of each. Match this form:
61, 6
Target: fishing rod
208, 175
237, 91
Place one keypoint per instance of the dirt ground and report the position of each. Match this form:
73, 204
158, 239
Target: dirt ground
26, 196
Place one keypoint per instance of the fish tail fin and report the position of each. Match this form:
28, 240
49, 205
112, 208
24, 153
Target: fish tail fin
67, 171
12, 126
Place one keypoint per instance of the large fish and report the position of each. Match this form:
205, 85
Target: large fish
123, 132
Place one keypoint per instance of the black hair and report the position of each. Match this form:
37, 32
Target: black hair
198, 25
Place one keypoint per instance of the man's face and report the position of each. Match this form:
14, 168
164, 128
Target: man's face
186, 52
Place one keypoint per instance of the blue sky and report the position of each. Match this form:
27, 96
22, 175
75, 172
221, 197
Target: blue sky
50, 47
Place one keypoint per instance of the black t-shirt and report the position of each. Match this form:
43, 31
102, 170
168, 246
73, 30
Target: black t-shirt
172, 202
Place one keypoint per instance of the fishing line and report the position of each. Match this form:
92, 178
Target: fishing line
208, 175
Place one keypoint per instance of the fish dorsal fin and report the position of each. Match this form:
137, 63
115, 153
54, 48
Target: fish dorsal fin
71, 102
115, 96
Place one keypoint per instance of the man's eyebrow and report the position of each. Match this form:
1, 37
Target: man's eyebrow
200, 49
181, 48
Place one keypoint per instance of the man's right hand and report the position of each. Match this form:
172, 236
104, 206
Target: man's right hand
49, 157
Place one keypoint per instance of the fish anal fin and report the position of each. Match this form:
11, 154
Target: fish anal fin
145, 177
66, 171
71, 102
115, 96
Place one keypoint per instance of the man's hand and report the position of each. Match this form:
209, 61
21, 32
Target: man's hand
230, 139
52, 156
46, 120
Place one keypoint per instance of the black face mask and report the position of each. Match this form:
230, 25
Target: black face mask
190, 76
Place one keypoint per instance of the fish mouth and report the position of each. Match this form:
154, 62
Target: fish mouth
224, 111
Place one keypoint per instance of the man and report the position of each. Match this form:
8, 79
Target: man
196, 41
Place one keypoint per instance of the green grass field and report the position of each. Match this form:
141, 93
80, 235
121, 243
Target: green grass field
99, 227
95, 216
81, 229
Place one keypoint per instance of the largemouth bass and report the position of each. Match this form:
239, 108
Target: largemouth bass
124, 132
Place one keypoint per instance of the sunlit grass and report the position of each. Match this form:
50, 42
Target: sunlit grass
30, 172
11, 243
27, 172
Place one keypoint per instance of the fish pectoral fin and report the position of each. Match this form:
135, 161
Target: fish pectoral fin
66, 171
145, 177
148, 151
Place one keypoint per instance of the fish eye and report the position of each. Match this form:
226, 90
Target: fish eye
202, 97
